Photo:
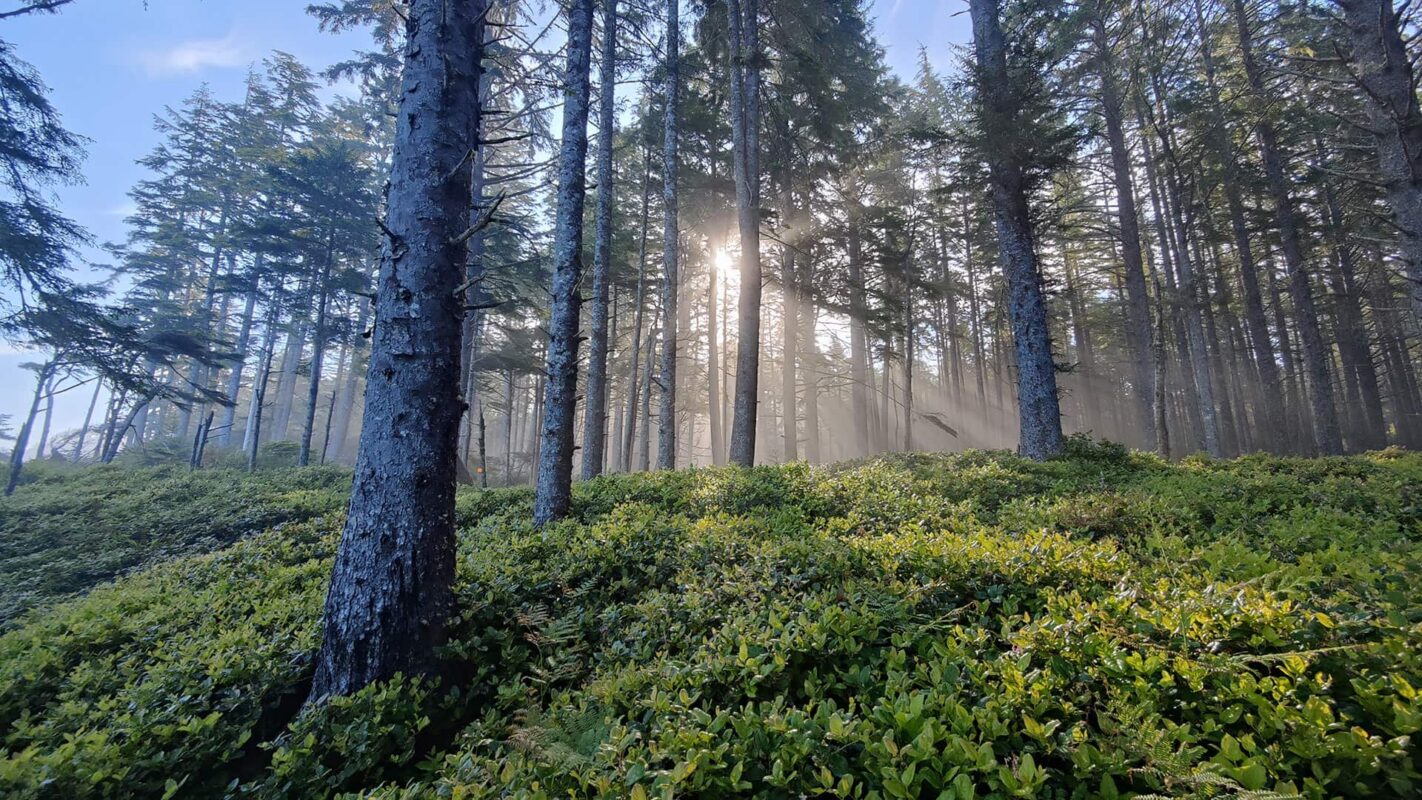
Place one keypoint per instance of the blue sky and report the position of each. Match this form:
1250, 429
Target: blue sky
111, 65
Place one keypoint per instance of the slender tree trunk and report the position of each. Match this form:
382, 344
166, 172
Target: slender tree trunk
251, 436
390, 590
318, 351
1039, 413
713, 374
22, 439
744, 26
595, 428
634, 361
555, 449
790, 318
45, 425
88, 420
811, 368
858, 341
644, 444
671, 167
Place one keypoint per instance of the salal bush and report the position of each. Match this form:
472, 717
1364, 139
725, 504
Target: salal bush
1105, 625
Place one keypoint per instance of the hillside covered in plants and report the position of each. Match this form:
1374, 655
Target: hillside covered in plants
1104, 624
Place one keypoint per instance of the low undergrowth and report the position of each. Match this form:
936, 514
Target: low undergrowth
67, 529
1104, 625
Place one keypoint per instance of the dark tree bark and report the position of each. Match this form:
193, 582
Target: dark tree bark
745, 133
1384, 71
595, 419
671, 242
1039, 412
554, 489
390, 593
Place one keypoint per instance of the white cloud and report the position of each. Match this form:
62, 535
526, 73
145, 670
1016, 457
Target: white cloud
195, 55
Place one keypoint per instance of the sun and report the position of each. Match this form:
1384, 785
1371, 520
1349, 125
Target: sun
722, 261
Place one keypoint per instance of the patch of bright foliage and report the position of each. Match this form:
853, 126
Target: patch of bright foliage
67, 529
1104, 625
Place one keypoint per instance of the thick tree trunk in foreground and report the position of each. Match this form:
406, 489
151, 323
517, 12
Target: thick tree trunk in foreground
554, 491
1384, 70
745, 134
390, 589
595, 423
671, 165
1039, 413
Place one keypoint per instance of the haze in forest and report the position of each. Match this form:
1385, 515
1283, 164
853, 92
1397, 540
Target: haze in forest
509, 269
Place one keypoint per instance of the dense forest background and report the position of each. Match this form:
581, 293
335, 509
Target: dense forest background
1222, 196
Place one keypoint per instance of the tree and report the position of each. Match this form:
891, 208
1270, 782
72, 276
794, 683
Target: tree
595, 428
36, 152
671, 241
555, 449
390, 593
1005, 133
1384, 73
743, 19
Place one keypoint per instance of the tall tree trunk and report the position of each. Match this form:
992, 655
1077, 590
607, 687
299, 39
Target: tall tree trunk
858, 340
1384, 70
644, 444
1039, 413
789, 320
713, 373
595, 427
251, 435
554, 490
745, 133
318, 351
22, 439
634, 361
671, 238
390, 591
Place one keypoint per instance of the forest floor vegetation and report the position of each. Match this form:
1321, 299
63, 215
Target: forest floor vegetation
1105, 624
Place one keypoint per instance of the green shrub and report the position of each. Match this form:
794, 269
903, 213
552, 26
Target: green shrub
68, 529
1102, 625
